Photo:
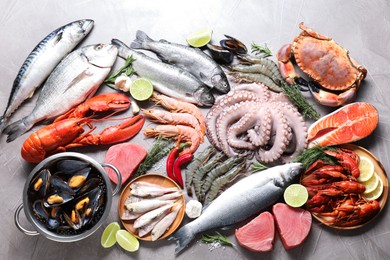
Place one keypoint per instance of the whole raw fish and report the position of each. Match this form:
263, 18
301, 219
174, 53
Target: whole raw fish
192, 59
76, 78
243, 199
42, 60
163, 225
167, 79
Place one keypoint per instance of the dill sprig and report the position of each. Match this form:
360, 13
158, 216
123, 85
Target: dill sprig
223, 240
126, 69
256, 166
161, 147
261, 51
295, 95
310, 155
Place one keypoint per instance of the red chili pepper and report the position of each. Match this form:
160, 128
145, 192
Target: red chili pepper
179, 163
170, 162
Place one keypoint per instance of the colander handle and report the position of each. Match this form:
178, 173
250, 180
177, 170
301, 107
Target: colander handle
19, 226
118, 175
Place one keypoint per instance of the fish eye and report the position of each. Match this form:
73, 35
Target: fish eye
99, 47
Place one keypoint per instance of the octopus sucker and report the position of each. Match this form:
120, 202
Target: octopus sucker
251, 119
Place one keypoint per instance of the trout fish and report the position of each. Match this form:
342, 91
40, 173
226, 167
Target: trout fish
75, 79
42, 60
239, 202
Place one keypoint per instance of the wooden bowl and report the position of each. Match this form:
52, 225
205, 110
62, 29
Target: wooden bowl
154, 179
379, 169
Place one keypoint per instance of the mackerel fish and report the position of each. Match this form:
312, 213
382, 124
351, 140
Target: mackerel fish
239, 202
194, 60
167, 79
75, 79
42, 60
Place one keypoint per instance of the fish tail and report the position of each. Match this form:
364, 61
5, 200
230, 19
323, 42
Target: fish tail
16, 129
140, 41
182, 237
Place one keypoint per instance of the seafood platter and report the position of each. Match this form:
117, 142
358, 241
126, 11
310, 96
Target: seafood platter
229, 127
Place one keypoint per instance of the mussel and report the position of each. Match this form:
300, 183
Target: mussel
77, 180
220, 55
59, 192
233, 45
69, 166
40, 183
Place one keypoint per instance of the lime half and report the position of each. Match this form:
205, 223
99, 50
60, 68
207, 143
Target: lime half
141, 89
296, 195
200, 38
109, 235
127, 241
366, 168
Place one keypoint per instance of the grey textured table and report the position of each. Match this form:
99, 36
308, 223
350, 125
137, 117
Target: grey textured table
363, 27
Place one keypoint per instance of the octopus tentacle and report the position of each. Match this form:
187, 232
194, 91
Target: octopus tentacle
261, 136
260, 90
248, 121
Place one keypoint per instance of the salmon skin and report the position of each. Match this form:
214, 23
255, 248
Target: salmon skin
42, 60
347, 124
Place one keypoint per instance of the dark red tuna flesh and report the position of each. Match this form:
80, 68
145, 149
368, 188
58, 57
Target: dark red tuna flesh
126, 157
293, 224
259, 234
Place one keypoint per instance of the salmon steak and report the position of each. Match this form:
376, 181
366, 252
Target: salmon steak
293, 224
347, 124
259, 234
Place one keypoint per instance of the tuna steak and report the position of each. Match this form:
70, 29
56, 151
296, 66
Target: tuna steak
259, 234
293, 224
126, 157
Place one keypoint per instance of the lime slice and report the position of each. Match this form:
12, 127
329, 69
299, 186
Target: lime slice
371, 184
366, 168
127, 241
108, 237
375, 194
141, 89
200, 38
295, 195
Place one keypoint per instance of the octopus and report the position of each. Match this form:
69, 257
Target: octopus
251, 119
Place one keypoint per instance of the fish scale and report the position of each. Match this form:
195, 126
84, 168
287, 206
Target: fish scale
42, 60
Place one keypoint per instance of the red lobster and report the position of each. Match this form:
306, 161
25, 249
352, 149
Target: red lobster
69, 132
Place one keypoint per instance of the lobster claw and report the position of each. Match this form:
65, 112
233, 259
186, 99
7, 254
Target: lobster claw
116, 134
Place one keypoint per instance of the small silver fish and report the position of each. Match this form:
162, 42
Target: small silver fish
242, 200
76, 78
161, 227
148, 217
42, 60
168, 79
191, 59
146, 205
148, 192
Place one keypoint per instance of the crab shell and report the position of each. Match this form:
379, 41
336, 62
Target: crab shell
325, 61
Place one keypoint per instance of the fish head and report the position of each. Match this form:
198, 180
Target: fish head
79, 29
100, 55
204, 96
287, 173
220, 82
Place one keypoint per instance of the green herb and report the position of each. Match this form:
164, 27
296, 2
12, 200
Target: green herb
261, 51
161, 147
295, 95
216, 238
256, 167
309, 156
126, 69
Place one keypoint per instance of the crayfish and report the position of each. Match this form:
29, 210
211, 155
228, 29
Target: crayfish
68, 131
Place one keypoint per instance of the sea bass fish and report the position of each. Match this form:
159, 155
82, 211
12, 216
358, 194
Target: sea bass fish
75, 79
167, 79
192, 59
42, 60
242, 200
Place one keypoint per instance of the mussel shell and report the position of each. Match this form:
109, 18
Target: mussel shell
70, 166
220, 55
233, 45
59, 188
39, 210
40, 183
89, 185
77, 180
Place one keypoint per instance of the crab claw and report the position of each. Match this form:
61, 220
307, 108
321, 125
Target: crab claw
331, 99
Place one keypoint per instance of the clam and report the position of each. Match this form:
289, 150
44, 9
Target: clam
220, 55
233, 45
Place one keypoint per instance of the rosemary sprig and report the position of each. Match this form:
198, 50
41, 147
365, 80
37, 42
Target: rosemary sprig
261, 51
310, 155
256, 167
295, 95
216, 238
126, 69
161, 147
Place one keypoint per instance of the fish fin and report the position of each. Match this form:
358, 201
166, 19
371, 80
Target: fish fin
182, 237
230, 227
85, 74
202, 76
141, 39
3, 122
163, 41
59, 37
16, 129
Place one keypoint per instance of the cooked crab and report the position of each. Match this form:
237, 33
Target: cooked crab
336, 75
